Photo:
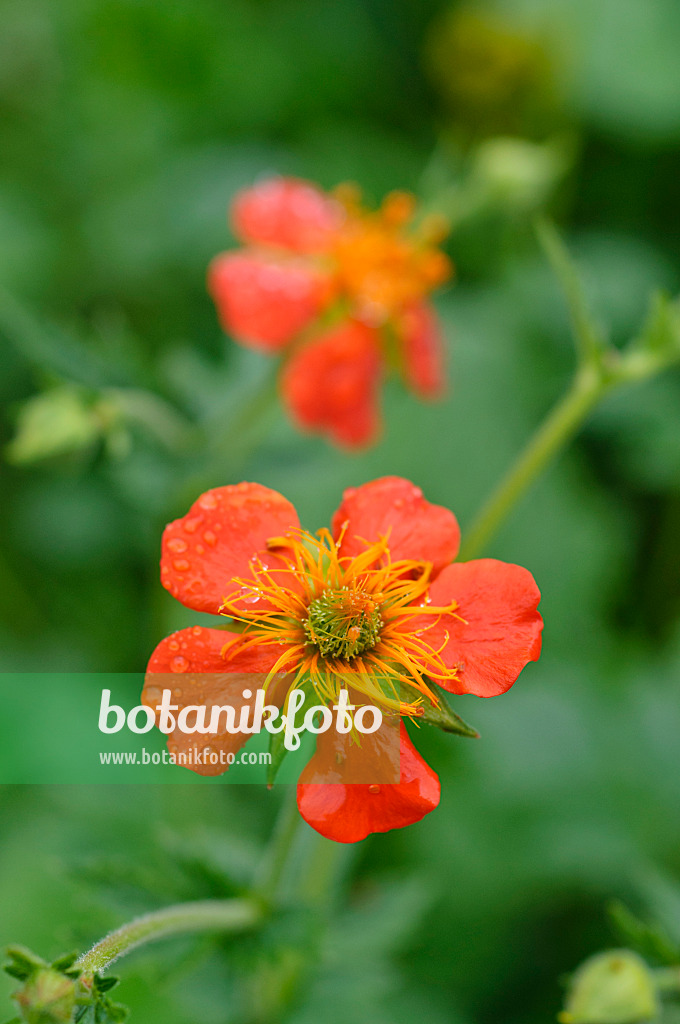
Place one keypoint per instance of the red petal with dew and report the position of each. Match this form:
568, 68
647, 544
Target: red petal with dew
331, 385
287, 213
217, 541
501, 631
348, 813
265, 302
190, 664
395, 508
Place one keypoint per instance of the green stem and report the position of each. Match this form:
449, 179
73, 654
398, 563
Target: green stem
276, 860
205, 915
551, 437
318, 883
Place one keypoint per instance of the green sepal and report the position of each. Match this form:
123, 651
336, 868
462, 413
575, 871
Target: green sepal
105, 984
440, 715
277, 749
65, 963
22, 963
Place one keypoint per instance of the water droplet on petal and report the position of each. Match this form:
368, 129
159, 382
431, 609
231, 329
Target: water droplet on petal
152, 693
190, 525
374, 790
200, 550
208, 500
173, 645
180, 565
210, 538
196, 630
177, 545
179, 664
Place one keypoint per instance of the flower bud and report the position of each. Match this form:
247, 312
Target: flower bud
611, 988
519, 173
48, 997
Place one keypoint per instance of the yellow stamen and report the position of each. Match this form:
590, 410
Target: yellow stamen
343, 621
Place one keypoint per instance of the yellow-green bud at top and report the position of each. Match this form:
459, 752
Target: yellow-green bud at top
520, 173
48, 997
611, 988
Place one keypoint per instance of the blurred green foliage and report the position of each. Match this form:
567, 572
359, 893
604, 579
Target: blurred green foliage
127, 125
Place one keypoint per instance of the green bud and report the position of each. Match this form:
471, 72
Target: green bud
48, 997
56, 422
518, 173
611, 988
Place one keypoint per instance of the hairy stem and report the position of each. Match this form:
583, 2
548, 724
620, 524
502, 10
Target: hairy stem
204, 915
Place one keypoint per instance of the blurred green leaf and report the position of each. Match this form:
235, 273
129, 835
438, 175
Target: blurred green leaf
56, 422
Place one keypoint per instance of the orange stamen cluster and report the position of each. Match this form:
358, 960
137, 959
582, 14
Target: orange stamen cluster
344, 621
382, 266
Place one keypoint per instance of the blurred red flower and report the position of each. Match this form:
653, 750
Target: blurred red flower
372, 605
339, 290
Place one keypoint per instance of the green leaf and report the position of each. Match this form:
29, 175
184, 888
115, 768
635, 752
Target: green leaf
649, 940
661, 331
56, 422
588, 337
48, 347
441, 715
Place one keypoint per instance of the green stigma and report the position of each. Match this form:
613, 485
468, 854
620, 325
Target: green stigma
343, 623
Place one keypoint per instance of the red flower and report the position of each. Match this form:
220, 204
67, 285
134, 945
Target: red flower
321, 275
373, 605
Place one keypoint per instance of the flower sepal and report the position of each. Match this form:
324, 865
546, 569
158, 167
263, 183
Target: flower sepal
277, 748
60, 993
440, 715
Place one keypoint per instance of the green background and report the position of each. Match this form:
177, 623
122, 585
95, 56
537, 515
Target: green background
127, 126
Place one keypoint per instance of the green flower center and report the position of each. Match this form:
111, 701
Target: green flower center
343, 623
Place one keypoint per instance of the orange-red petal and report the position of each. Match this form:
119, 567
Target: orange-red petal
189, 663
218, 539
501, 631
198, 649
331, 385
349, 813
423, 351
286, 213
263, 301
395, 508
